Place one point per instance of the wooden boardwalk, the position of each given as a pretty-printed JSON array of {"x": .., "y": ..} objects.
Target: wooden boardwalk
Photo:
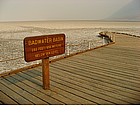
[{"x": 108, "y": 75}]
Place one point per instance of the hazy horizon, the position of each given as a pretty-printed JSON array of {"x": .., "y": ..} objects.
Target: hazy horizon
[{"x": 46, "y": 10}]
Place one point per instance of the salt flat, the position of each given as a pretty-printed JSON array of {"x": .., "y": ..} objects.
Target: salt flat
[{"x": 78, "y": 36}]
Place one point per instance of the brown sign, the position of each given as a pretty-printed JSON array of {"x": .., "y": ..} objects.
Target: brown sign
[{"x": 41, "y": 47}]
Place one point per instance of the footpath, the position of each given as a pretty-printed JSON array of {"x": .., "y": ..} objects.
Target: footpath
[{"x": 107, "y": 75}]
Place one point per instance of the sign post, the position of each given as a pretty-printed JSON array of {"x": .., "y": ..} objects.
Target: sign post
[
  {"x": 43, "y": 47},
  {"x": 45, "y": 73}
]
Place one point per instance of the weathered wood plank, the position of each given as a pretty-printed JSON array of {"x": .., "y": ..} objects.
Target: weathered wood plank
[
  {"x": 111, "y": 95},
  {"x": 57, "y": 89},
  {"x": 98, "y": 70},
  {"x": 88, "y": 94},
  {"x": 54, "y": 84},
  {"x": 51, "y": 92},
  {"x": 101, "y": 92},
  {"x": 106, "y": 71},
  {"x": 4, "y": 99},
  {"x": 104, "y": 78},
  {"x": 100, "y": 82},
  {"x": 121, "y": 64},
  {"x": 107, "y": 64},
  {"x": 23, "y": 92},
  {"x": 82, "y": 90},
  {"x": 13, "y": 95},
  {"x": 113, "y": 67},
  {"x": 121, "y": 51},
  {"x": 36, "y": 89}
]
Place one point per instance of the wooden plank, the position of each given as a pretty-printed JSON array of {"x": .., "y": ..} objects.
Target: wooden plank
[
  {"x": 15, "y": 96},
  {"x": 76, "y": 100},
  {"x": 36, "y": 89},
  {"x": 88, "y": 94},
  {"x": 101, "y": 93},
  {"x": 121, "y": 51},
  {"x": 81, "y": 90},
  {"x": 23, "y": 92},
  {"x": 100, "y": 82},
  {"x": 106, "y": 70},
  {"x": 4, "y": 99},
  {"x": 53, "y": 94},
  {"x": 65, "y": 87},
  {"x": 115, "y": 48},
  {"x": 121, "y": 58},
  {"x": 110, "y": 80},
  {"x": 93, "y": 91},
  {"x": 77, "y": 96},
  {"x": 71, "y": 102},
  {"x": 116, "y": 60},
  {"x": 56, "y": 86},
  {"x": 87, "y": 58},
  {"x": 130, "y": 61},
  {"x": 88, "y": 83},
  {"x": 111, "y": 66}
]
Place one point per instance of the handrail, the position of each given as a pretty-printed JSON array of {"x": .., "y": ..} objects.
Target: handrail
[
  {"x": 87, "y": 45},
  {"x": 67, "y": 46}
]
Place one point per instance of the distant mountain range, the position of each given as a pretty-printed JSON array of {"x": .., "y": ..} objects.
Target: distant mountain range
[{"x": 130, "y": 12}]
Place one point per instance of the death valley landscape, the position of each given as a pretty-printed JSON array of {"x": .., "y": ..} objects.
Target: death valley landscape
[
  {"x": 99, "y": 61},
  {"x": 12, "y": 33}
]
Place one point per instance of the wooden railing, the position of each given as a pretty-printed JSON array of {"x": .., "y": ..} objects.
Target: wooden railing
[{"x": 71, "y": 49}]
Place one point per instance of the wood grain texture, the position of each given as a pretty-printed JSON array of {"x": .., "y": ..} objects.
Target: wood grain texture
[{"x": 107, "y": 75}]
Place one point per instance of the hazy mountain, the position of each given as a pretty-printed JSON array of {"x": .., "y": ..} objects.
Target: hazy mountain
[{"x": 130, "y": 12}]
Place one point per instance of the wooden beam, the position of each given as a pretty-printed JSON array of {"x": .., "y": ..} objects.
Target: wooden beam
[{"x": 45, "y": 73}]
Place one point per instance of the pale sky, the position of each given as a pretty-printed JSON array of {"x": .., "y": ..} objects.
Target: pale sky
[{"x": 28, "y": 10}]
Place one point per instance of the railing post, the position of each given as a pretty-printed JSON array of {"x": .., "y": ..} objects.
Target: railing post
[
  {"x": 68, "y": 49},
  {"x": 114, "y": 37},
  {"x": 103, "y": 40},
  {"x": 89, "y": 45}
]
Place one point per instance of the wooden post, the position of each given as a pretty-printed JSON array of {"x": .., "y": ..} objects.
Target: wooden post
[
  {"x": 89, "y": 45},
  {"x": 45, "y": 73},
  {"x": 68, "y": 50},
  {"x": 114, "y": 37},
  {"x": 103, "y": 40}
]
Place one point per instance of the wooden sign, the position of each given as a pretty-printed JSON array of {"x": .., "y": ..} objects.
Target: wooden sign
[
  {"x": 43, "y": 47},
  {"x": 40, "y": 47}
]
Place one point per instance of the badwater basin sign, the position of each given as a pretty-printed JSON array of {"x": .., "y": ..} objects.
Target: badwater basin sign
[
  {"x": 43, "y": 47},
  {"x": 40, "y": 47}
]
